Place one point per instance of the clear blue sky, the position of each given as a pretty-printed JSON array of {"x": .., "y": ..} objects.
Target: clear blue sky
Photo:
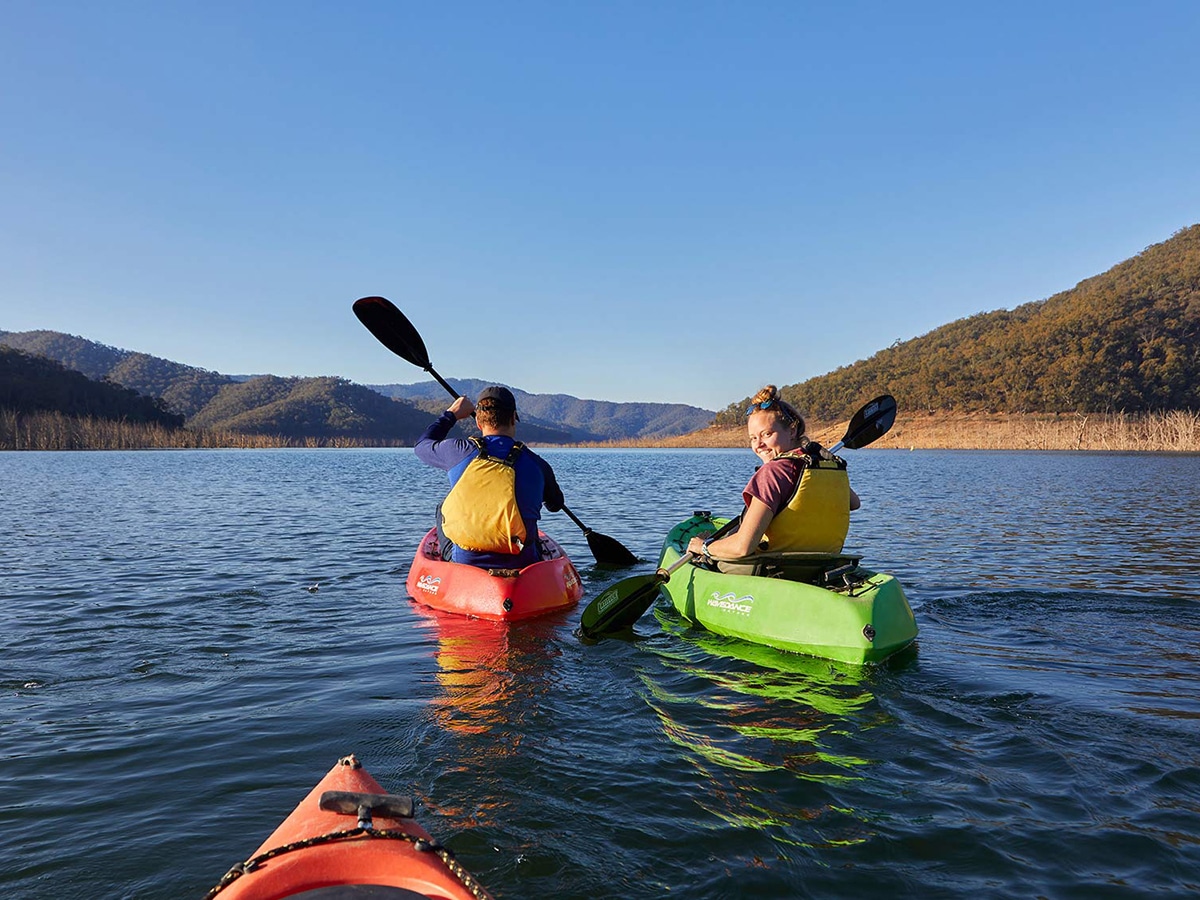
[{"x": 670, "y": 201}]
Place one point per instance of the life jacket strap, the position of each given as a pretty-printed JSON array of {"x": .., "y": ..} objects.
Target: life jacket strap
[{"x": 510, "y": 460}]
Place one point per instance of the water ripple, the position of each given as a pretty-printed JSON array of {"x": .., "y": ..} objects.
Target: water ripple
[{"x": 165, "y": 664}]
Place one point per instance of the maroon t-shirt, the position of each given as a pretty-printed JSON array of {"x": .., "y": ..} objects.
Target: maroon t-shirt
[{"x": 774, "y": 483}]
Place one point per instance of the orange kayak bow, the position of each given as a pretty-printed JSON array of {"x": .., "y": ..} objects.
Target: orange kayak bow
[{"x": 349, "y": 839}]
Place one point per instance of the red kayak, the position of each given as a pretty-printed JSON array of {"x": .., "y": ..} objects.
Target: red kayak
[
  {"x": 504, "y": 595},
  {"x": 348, "y": 839}
]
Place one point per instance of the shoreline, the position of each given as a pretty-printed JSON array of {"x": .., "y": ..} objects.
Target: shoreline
[{"x": 1176, "y": 432}]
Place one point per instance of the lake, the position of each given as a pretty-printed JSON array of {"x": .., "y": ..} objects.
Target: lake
[{"x": 170, "y": 686}]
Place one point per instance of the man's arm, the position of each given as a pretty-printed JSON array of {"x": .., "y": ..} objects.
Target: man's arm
[
  {"x": 433, "y": 449},
  {"x": 552, "y": 495}
]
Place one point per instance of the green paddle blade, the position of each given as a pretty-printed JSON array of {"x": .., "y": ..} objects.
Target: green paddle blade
[
  {"x": 392, "y": 329},
  {"x": 620, "y": 606}
]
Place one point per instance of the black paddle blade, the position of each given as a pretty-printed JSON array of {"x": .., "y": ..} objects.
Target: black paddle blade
[
  {"x": 870, "y": 423},
  {"x": 609, "y": 551},
  {"x": 620, "y": 606},
  {"x": 392, "y": 329}
]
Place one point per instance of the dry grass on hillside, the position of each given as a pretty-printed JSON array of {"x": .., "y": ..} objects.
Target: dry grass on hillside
[{"x": 1169, "y": 431}]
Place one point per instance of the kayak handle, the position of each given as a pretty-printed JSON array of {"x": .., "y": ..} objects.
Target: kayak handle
[{"x": 351, "y": 803}]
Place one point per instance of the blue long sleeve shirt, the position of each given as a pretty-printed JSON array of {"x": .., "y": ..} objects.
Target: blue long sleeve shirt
[{"x": 535, "y": 485}]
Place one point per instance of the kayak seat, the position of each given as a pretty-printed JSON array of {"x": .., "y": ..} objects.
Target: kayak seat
[{"x": 811, "y": 568}]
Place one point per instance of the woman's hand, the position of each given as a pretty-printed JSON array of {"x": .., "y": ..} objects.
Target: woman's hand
[{"x": 696, "y": 545}]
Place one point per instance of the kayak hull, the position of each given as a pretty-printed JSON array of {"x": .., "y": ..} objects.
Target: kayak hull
[
  {"x": 503, "y": 595},
  {"x": 864, "y": 622},
  {"x": 411, "y": 861}
]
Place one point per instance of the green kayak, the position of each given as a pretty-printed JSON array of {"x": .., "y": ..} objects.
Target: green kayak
[{"x": 812, "y": 603}]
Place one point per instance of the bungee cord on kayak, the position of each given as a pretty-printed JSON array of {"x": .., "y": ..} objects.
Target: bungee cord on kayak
[
  {"x": 305, "y": 854},
  {"x": 445, "y": 854}
]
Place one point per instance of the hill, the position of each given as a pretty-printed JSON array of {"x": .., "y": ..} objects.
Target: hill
[
  {"x": 31, "y": 384},
  {"x": 184, "y": 389},
  {"x": 294, "y": 408},
  {"x": 580, "y": 420},
  {"x": 308, "y": 407},
  {"x": 1127, "y": 340},
  {"x": 334, "y": 408}
]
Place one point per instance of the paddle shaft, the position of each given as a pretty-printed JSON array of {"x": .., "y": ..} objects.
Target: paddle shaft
[
  {"x": 574, "y": 518},
  {"x": 665, "y": 574},
  {"x": 440, "y": 380}
]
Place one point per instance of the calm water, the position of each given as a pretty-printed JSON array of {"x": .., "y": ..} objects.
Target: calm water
[{"x": 170, "y": 688}]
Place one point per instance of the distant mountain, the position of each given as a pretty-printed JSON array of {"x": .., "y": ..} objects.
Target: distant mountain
[
  {"x": 31, "y": 384},
  {"x": 582, "y": 420},
  {"x": 1126, "y": 340},
  {"x": 332, "y": 407}
]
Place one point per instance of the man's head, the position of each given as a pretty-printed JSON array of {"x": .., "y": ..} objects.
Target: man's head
[{"x": 496, "y": 408}]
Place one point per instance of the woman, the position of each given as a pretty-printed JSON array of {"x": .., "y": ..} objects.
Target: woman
[{"x": 798, "y": 501}]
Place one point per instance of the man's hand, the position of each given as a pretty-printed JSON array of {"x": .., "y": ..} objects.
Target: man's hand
[{"x": 462, "y": 408}]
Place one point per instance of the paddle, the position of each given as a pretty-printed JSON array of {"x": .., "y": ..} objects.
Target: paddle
[
  {"x": 392, "y": 329},
  {"x": 621, "y": 605}
]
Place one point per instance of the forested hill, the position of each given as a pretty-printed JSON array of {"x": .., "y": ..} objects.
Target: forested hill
[
  {"x": 1127, "y": 340},
  {"x": 583, "y": 420},
  {"x": 31, "y": 384},
  {"x": 184, "y": 389}
]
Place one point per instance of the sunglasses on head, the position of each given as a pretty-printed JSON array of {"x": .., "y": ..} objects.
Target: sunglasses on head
[
  {"x": 766, "y": 404},
  {"x": 775, "y": 403}
]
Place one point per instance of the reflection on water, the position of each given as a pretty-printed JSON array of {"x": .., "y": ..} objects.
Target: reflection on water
[
  {"x": 766, "y": 714},
  {"x": 490, "y": 673}
]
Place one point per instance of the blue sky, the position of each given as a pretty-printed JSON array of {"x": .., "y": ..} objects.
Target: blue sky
[{"x": 669, "y": 201}]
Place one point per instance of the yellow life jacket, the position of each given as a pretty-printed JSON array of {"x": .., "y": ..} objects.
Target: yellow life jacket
[
  {"x": 817, "y": 517},
  {"x": 480, "y": 513}
]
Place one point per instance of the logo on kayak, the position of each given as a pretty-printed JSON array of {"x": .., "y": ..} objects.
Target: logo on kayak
[
  {"x": 570, "y": 577},
  {"x": 428, "y": 584},
  {"x": 732, "y": 602}
]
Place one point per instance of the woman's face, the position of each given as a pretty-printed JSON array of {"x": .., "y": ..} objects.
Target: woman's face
[{"x": 769, "y": 434}]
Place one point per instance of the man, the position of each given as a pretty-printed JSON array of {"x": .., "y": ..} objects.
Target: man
[{"x": 497, "y": 485}]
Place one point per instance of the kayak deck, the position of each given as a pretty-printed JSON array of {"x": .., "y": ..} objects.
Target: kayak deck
[
  {"x": 503, "y": 595},
  {"x": 858, "y": 616},
  {"x": 348, "y": 839}
]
